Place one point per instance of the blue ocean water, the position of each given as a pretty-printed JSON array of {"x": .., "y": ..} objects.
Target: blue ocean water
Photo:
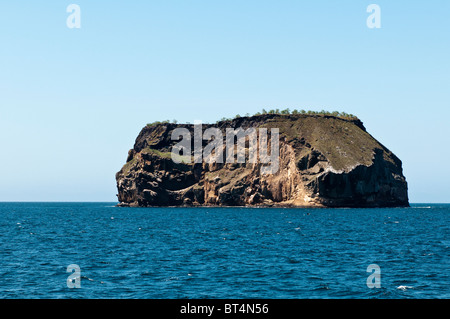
[{"x": 222, "y": 252}]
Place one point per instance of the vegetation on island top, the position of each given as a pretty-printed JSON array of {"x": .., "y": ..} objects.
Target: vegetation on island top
[{"x": 287, "y": 111}]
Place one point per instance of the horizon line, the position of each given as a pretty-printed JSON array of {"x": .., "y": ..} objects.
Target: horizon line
[{"x": 74, "y": 201}]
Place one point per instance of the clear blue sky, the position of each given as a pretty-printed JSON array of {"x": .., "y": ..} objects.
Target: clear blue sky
[{"x": 72, "y": 101}]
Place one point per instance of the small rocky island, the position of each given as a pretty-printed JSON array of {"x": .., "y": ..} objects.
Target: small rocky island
[{"x": 325, "y": 160}]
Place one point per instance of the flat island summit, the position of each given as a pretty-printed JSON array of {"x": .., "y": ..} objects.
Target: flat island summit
[{"x": 324, "y": 160}]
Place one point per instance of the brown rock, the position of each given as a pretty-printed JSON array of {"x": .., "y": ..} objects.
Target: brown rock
[{"x": 324, "y": 161}]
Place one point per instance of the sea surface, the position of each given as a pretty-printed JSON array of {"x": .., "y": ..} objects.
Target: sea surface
[{"x": 236, "y": 253}]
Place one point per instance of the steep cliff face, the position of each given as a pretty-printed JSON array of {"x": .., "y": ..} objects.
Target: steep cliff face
[{"x": 324, "y": 161}]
